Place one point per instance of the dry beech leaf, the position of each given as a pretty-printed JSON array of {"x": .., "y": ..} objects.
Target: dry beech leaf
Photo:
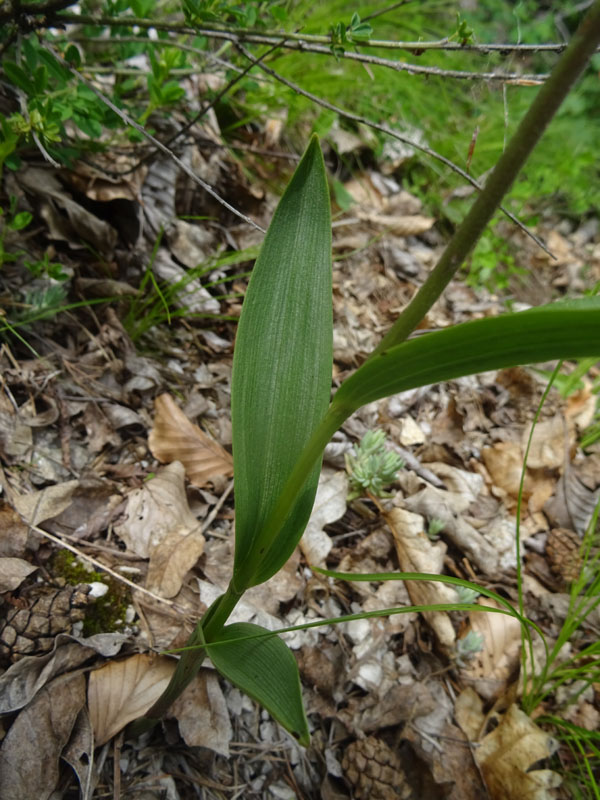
[
  {"x": 506, "y": 755},
  {"x": 175, "y": 438},
  {"x": 172, "y": 558},
  {"x": 46, "y": 504},
  {"x": 417, "y": 553},
  {"x": 23, "y": 680},
  {"x": 13, "y": 572},
  {"x": 155, "y": 509},
  {"x": 330, "y": 505},
  {"x": 122, "y": 691},
  {"x": 30, "y": 752},
  {"x": 202, "y": 716},
  {"x": 550, "y": 443},
  {"x": 492, "y": 667}
]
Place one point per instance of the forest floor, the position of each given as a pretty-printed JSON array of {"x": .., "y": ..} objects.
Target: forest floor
[{"x": 117, "y": 512}]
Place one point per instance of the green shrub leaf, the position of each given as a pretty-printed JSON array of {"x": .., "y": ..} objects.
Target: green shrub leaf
[
  {"x": 282, "y": 365},
  {"x": 565, "y": 329},
  {"x": 266, "y": 670}
]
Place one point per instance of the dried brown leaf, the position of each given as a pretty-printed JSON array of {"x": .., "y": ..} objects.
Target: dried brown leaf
[
  {"x": 417, "y": 553},
  {"x": 155, "y": 509},
  {"x": 175, "y": 438},
  {"x": 507, "y": 754},
  {"x": 30, "y": 752},
  {"x": 172, "y": 558},
  {"x": 201, "y": 712},
  {"x": 13, "y": 532},
  {"x": 122, "y": 691},
  {"x": 46, "y": 504},
  {"x": 493, "y": 666},
  {"x": 13, "y": 572},
  {"x": 330, "y": 505}
]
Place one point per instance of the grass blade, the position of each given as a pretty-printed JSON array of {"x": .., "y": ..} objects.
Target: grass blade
[{"x": 282, "y": 369}]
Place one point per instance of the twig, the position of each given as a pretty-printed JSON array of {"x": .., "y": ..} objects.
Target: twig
[
  {"x": 394, "y": 134},
  {"x": 159, "y": 145},
  {"x": 306, "y": 41},
  {"x": 100, "y": 565}
]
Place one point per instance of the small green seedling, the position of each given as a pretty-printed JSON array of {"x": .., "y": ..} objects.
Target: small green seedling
[
  {"x": 371, "y": 467},
  {"x": 466, "y": 595},
  {"x": 435, "y": 527},
  {"x": 467, "y": 647},
  {"x": 283, "y": 417}
]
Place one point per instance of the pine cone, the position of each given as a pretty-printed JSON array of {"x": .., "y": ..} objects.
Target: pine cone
[
  {"x": 375, "y": 771},
  {"x": 563, "y": 550},
  {"x": 30, "y": 630}
]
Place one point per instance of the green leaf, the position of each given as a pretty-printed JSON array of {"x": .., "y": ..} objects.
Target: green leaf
[
  {"x": 565, "y": 329},
  {"x": 266, "y": 670},
  {"x": 18, "y": 76},
  {"x": 282, "y": 365}
]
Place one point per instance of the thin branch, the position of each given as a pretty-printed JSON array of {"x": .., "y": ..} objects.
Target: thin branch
[
  {"x": 390, "y": 132},
  {"x": 100, "y": 565},
  {"x": 305, "y": 40},
  {"x": 158, "y": 145},
  {"x": 307, "y": 44}
]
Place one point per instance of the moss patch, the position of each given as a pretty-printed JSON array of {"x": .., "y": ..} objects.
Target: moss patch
[{"x": 107, "y": 613}]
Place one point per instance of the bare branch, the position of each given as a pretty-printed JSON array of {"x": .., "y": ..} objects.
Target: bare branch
[{"x": 395, "y": 135}]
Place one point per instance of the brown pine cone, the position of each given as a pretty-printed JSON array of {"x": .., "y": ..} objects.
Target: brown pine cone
[
  {"x": 375, "y": 771},
  {"x": 563, "y": 550},
  {"x": 30, "y": 630}
]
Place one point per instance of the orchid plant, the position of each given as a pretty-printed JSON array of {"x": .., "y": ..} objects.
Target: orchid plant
[{"x": 282, "y": 414}]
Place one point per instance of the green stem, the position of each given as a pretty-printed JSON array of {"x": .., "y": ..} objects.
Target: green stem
[{"x": 569, "y": 67}]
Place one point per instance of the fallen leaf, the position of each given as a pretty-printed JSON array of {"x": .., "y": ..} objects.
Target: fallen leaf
[
  {"x": 23, "y": 680},
  {"x": 13, "y": 532},
  {"x": 175, "y": 438},
  {"x": 330, "y": 505},
  {"x": 173, "y": 558},
  {"x": 506, "y": 757},
  {"x": 46, "y": 504},
  {"x": 417, "y": 553},
  {"x": 13, "y": 572},
  {"x": 493, "y": 666},
  {"x": 122, "y": 691},
  {"x": 155, "y": 509},
  {"x": 202, "y": 716},
  {"x": 550, "y": 443},
  {"x": 79, "y": 753},
  {"x": 30, "y": 752}
]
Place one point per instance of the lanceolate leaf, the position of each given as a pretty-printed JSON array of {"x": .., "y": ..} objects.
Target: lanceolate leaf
[
  {"x": 266, "y": 670},
  {"x": 565, "y": 329},
  {"x": 282, "y": 369}
]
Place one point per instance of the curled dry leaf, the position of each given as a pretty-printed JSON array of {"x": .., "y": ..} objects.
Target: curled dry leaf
[
  {"x": 172, "y": 558},
  {"x": 416, "y": 553},
  {"x": 155, "y": 509},
  {"x": 30, "y": 752},
  {"x": 507, "y": 754},
  {"x": 491, "y": 669},
  {"x": 201, "y": 712},
  {"x": 48, "y": 503},
  {"x": 175, "y": 438},
  {"x": 122, "y": 691},
  {"x": 330, "y": 505},
  {"x": 13, "y": 572}
]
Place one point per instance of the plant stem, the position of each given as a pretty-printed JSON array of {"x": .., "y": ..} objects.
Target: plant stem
[{"x": 550, "y": 96}]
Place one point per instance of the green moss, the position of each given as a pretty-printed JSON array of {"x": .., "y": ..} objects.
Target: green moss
[{"x": 107, "y": 613}]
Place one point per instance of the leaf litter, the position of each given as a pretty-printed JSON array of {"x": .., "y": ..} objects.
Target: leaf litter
[{"x": 95, "y": 450}]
